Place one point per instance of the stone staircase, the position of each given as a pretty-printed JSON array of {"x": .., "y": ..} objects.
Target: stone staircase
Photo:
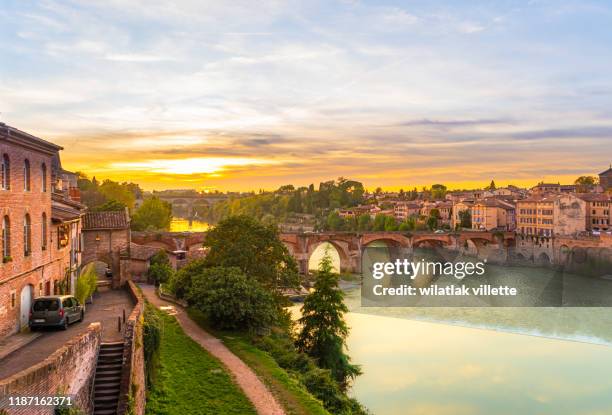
[{"x": 108, "y": 378}]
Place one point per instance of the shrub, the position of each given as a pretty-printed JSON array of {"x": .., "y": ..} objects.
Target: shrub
[
  {"x": 152, "y": 330},
  {"x": 180, "y": 281},
  {"x": 230, "y": 300},
  {"x": 86, "y": 283},
  {"x": 160, "y": 270}
]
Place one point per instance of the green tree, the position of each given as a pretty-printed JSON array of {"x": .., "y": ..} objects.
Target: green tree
[
  {"x": 230, "y": 300},
  {"x": 335, "y": 222},
  {"x": 110, "y": 206},
  {"x": 180, "y": 281},
  {"x": 154, "y": 214},
  {"x": 584, "y": 184},
  {"x": 160, "y": 271},
  {"x": 433, "y": 219},
  {"x": 379, "y": 222},
  {"x": 323, "y": 329},
  {"x": 115, "y": 191},
  {"x": 465, "y": 219},
  {"x": 438, "y": 191},
  {"x": 390, "y": 224},
  {"x": 86, "y": 283},
  {"x": 364, "y": 222},
  {"x": 243, "y": 242}
]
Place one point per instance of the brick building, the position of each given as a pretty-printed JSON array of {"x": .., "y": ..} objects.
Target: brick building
[
  {"x": 605, "y": 179},
  {"x": 598, "y": 211},
  {"x": 40, "y": 226},
  {"x": 106, "y": 234},
  {"x": 549, "y": 215},
  {"x": 493, "y": 214}
]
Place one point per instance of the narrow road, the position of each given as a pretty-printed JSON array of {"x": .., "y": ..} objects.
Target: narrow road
[
  {"x": 107, "y": 307},
  {"x": 265, "y": 403}
]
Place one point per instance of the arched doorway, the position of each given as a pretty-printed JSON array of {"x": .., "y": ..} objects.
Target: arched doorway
[
  {"x": 27, "y": 293},
  {"x": 543, "y": 259},
  {"x": 319, "y": 252}
]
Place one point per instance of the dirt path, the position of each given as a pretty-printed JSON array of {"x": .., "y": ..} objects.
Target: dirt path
[{"x": 253, "y": 388}]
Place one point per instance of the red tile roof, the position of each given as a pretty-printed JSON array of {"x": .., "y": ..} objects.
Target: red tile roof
[{"x": 106, "y": 220}]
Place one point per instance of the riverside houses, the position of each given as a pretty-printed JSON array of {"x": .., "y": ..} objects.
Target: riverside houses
[{"x": 41, "y": 226}]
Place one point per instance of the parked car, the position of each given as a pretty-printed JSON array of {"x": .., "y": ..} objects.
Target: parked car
[{"x": 55, "y": 311}]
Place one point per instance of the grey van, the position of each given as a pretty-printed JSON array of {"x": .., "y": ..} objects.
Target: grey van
[{"x": 55, "y": 311}]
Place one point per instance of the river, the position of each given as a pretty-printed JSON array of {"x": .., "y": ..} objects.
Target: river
[
  {"x": 183, "y": 225},
  {"x": 456, "y": 361}
]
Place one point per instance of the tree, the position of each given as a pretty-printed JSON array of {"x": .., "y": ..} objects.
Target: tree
[
  {"x": 243, "y": 242},
  {"x": 585, "y": 183},
  {"x": 438, "y": 191},
  {"x": 434, "y": 217},
  {"x": 180, "y": 282},
  {"x": 390, "y": 224},
  {"x": 154, "y": 214},
  {"x": 323, "y": 329},
  {"x": 230, "y": 300},
  {"x": 491, "y": 186},
  {"x": 110, "y": 206},
  {"x": 379, "y": 222},
  {"x": 465, "y": 219},
  {"x": 114, "y": 191},
  {"x": 335, "y": 222},
  {"x": 364, "y": 222},
  {"x": 86, "y": 283},
  {"x": 160, "y": 271}
]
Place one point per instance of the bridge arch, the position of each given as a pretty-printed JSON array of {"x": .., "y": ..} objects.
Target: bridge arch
[
  {"x": 340, "y": 255},
  {"x": 543, "y": 259}
]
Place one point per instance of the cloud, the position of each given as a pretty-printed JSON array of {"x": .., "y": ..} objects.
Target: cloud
[{"x": 457, "y": 123}]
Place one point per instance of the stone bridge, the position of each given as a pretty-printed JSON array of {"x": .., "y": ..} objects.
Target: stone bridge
[
  {"x": 349, "y": 244},
  {"x": 185, "y": 204}
]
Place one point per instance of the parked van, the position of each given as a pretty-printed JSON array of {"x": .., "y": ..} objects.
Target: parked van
[{"x": 55, "y": 311}]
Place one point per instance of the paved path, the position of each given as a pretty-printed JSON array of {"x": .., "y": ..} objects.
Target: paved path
[
  {"x": 251, "y": 385},
  {"x": 106, "y": 308}
]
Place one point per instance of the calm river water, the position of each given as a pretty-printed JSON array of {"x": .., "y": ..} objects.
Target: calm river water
[
  {"x": 456, "y": 361},
  {"x": 183, "y": 225}
]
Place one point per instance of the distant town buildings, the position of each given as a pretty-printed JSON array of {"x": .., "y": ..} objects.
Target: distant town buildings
[
  {"x": 493, "y": 214},
  {"x": 550, "y": 215}
]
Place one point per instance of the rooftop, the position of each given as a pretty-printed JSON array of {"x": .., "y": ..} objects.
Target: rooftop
[{"x": 106, "y": 220}]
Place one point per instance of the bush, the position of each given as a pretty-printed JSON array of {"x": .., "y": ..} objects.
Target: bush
[
  {"x": 180, "y": 281},
  {"x": 86, "y": 283},
  {"x": 230, "y": 300},
  {"x": 160, "y": 270},
  {"x": 152, "y": 330}
]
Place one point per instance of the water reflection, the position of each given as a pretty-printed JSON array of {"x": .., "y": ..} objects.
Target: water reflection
[
  {"x": 475, "y": 361},
  {"x": 416, "y": 367},
  {"x": 184, "y": 225}
]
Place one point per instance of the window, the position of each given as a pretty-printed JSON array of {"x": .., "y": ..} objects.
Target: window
[
  {"x": 44, "y": 231},
  {"x": 27, "y": 235},
  {"x": 44, "y": 177},
  {"x": 13, "y": 299},
  {"x": 26, "y": 175},
  {"x": 6, "y": 238},
  {"x": 6, "y": 172}
]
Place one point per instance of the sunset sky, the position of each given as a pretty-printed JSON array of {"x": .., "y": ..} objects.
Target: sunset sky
[{"x": 243, "y": 95}]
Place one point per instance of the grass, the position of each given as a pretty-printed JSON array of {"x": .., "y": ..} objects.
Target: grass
[
  {"x": 291, "y": 394},
  {"x": 190, "y": 380}
]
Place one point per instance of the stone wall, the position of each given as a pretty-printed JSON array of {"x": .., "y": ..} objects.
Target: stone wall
[
  {"x": 132, "y": 391},
  {"x": 68, "y": 371}
]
